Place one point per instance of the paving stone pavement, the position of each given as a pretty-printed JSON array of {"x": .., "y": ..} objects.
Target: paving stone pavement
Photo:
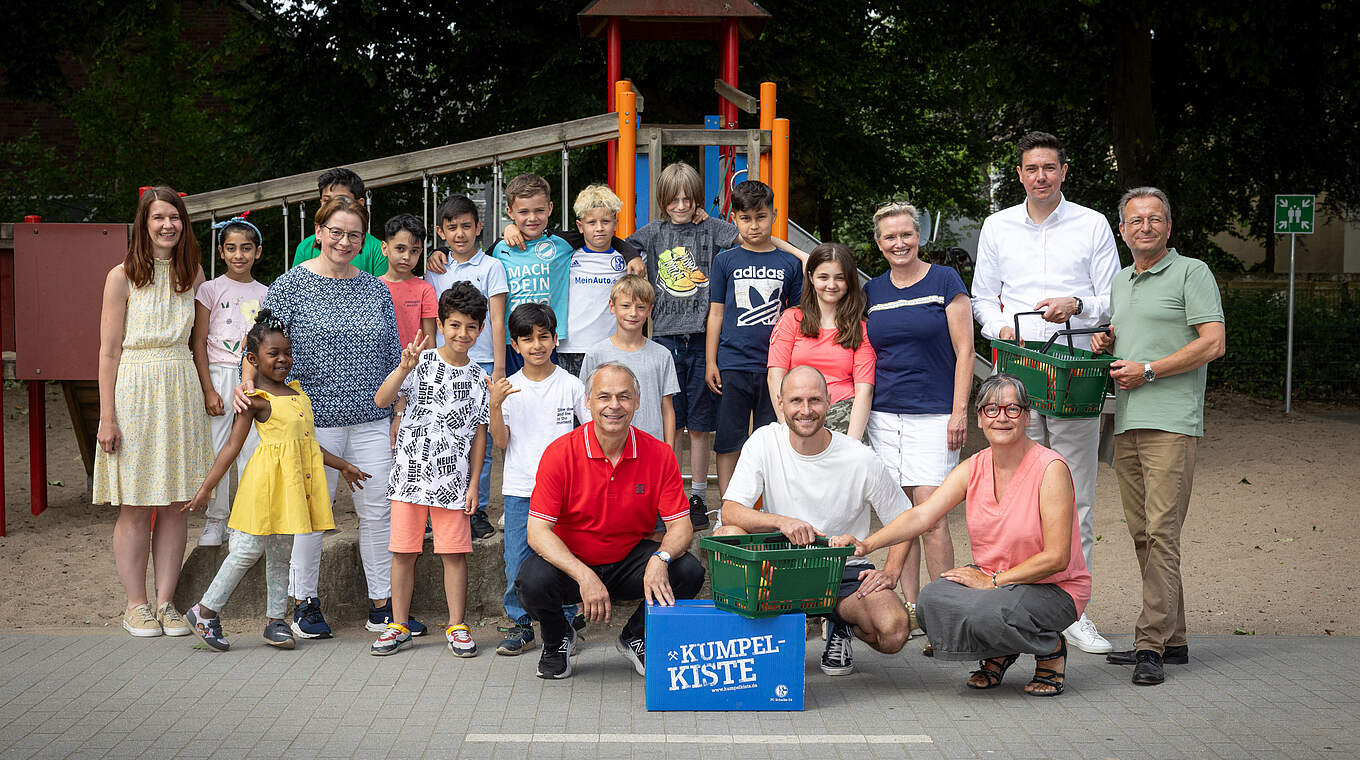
[{"x": 88, "y": 695}]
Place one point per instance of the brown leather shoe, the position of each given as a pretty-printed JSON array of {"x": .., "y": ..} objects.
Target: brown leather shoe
[{"x": 1171, "y": 655}]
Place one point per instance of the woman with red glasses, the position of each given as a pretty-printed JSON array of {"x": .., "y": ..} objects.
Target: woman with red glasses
[{"x": 1028, "y": 580}]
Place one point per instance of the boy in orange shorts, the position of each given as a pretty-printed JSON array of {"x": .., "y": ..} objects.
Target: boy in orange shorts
[{"x": 443, "y": 431}]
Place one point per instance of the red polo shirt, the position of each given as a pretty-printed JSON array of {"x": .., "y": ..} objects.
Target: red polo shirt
[{"x": 600, "y": 510}]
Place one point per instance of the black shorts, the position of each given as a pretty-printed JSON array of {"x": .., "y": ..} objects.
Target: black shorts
[{"x": 850, "y": 579}]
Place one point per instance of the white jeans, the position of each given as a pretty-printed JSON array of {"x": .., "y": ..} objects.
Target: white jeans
[
  {"x": 1078, "y": 442},
  {"x": 367, "y": 447},
  {"x": 225, "y": 378}
]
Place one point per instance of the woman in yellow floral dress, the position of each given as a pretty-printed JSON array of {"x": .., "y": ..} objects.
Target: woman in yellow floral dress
[{"x": 153, "y": 430}]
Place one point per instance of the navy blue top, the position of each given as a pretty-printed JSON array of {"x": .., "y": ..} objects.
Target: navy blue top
[
  {"x": 754, "y": 289},
  {"x": 345, "y": 341},
  {"x": 910, "y": 335}
]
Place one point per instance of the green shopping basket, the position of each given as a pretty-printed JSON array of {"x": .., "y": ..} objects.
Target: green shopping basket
[
  {"x": 1061, "y": 381},
  {"x": 764, "y": 574}
]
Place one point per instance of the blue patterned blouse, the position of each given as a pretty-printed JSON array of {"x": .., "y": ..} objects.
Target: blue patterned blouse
[{"x": 344, "y": 341}]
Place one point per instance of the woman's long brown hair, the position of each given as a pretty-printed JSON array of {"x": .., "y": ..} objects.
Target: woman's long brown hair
[
  {"x": 184, "y": 262},
  {"x": 849, "y": 311}
]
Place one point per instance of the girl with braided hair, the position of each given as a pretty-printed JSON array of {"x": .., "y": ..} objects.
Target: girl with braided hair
[{"x": 282, "y": 492}]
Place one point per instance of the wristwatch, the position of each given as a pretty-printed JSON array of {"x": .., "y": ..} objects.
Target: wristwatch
[
  {"x": 1079, "y": 306},
  {"x": 665, "y": 556},
  {"x": 1148, "y": 374}
]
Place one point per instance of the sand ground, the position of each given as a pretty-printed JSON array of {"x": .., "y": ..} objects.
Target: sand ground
[{"x": 1269, "y": 547}]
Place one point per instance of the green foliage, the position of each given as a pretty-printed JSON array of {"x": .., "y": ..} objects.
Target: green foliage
[{"x": 1326, "y": 344}]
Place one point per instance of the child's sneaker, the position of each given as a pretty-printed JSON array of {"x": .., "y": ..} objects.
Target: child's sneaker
[
  {"x": 308, "y": 623},
  {"x": 518, "y": 640},
  {"x": 481, "y": 527},
  {"x": 172, "y": 623},
  {"x": 460, "y": 641},
  {"x": 379, "y": 617},
  {"x": 278, "y": 634},
  {"x": 141, "y": 622},
  {"x": 394, "y": 638},
  {"x": 213, "y": 532},
  {"x": 208, "y": 629}
]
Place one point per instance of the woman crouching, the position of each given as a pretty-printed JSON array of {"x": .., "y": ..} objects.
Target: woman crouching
[{"x": 1028, "y": 580}]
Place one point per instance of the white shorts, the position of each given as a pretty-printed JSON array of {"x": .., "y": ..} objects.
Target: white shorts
[{"x": 914, "y": 447}]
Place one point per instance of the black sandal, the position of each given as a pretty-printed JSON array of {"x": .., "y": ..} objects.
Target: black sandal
[
  {"x": 993, "y": 676},
  {"x": 1048, "y": 676}
]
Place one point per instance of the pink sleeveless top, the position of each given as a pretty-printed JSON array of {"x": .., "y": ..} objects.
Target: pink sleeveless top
[{"x": 1007, "y": 533}]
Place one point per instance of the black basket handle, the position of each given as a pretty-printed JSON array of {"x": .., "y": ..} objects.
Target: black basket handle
[{"x": 1067, "y": 332}]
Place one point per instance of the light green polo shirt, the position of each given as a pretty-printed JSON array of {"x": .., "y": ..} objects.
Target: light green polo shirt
[
  {"x": 1154, "y": 315},
  {"x": 370, "y": 259}
]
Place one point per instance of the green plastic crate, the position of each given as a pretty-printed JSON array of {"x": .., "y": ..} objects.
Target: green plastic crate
[
  {"x": 1065, "y": 382},
  {"x": 764, "y": 575}
]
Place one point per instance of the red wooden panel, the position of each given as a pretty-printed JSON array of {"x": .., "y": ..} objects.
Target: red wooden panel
[
  {"x": 6, "y": 299},
  {"x": 59, "y": 272}
]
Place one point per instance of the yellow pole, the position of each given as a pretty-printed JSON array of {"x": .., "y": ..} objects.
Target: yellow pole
[
  {"x": 626, "y": 165},
  {"x": 767, "y": 114},
  {"x": 779, "y": 176}
]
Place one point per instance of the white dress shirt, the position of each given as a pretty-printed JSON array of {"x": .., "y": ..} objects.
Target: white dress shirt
[{"x": 1019, "y": 263}]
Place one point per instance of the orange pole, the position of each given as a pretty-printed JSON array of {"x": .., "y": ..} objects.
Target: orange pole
[
  {"x": 626, "y": 165},
  {"x": 767, "y": 114},
  {"x": 779, "y": 176}
]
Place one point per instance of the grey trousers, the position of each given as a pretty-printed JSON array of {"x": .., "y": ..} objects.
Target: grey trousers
[{"x": 972, "y": 624}]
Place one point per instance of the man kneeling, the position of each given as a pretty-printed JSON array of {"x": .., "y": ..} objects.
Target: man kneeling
[
  {"x": 599, "y": 491},
  {"x": 818, "y": 482}
]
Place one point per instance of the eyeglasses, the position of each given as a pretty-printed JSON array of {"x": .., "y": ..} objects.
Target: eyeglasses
[
  {"x": 338, "y": 233},
  {"x": 1012, "y": 411},
  {"x": 1151, "y": 221}
]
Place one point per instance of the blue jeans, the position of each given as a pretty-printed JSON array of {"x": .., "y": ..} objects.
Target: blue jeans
[
  {"x": 484, "y": 483},
  {"x": 516, "y": 551}
]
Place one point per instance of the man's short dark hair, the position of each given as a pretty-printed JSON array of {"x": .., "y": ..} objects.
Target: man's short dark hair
[
  {"x": 455, "y": 206},
  {"x": 752, "y": 196},
  {"x": 464, "y": 298},
  {"x": 344, "y": 178},
  {"x": 527, "y": 316},
  {"x": 408, "y": 222},
  {"x": 1039, "y": 140}
]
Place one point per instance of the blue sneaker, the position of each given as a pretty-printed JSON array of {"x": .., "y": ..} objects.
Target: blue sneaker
[
  {"x": 519, "y": 638},
  {"x": 308, "y": 622},
  {"x": 207, "y": 629},
  {"x": 379, "y": 617}
]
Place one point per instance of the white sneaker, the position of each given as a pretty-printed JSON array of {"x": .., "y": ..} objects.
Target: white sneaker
[
  {"x": 1084, "y": 636},
  {"x": 213, "y": 532},
  {"x": 501, "y": 522}
]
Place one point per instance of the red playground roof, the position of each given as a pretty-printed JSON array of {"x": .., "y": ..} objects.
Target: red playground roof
[{"x": 672, "y": 19}]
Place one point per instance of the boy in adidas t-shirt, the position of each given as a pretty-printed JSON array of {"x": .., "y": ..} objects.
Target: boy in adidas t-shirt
[
  {"x": 529, "y": 410},
  {"x": 751, "y": 285}
]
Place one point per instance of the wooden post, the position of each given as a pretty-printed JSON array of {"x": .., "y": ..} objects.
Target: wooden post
[
  {"x": 779, "y": 176},
  {"x": 37, "y": 445},
  {"x": 768, "y": 92},
  {"x": 626, "y": 166},
  {"x": 613, "y": 73}
]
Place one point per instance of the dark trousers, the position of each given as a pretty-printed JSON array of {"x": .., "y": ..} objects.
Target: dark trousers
[{"x": 543, "y": 588}]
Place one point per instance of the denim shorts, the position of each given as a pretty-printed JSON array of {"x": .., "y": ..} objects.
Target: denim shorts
[{"x": 695, "y": 405}]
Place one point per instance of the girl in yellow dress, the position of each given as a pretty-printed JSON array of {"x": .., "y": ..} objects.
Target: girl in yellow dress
[{"x": 282, "y": 491}]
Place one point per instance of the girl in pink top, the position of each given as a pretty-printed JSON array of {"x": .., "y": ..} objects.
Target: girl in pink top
[
  {"x": 826, "y": 331},
  {"x": 1028, "y": 580}
]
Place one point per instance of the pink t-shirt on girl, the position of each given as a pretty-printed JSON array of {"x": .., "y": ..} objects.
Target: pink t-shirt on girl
[
  {"x": 1004, "y": 534},
  {"x": 842, "y": 367},
  {"x": 414, "y": 300},
  {"x": 232, "y": 307}
]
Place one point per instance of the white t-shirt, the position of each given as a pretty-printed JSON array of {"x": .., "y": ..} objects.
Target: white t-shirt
[
  {"x": 588, "y": 318},
  {"x": 832, "y": 490},
  {"x": 539, "y": 414},
  {"x": 444, "y": 406}
]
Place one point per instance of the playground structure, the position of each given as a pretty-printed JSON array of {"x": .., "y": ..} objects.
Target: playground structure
[{"x": 51, "y": 275}]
